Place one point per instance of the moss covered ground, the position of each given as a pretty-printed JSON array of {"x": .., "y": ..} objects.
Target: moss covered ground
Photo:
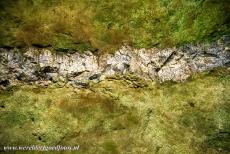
[
  {"x": 104, "y": 25},
  {"x": 114, "y": 116}
]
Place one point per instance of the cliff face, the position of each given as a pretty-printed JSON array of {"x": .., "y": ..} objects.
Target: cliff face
[{"x": 176, "y": 64}]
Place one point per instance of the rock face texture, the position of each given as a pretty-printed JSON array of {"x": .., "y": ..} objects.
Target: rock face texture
[{"x": 44, "y": 67}]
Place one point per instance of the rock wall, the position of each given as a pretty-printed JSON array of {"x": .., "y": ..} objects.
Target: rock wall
[{"x": 43, "y": 67}]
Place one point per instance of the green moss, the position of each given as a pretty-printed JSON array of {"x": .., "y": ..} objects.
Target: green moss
[
  {"x": 106, "y": 25},
  {"x": 110, "y": 147},
  {"x": 66, "y": 43},
  {"x": 14, "y": 118},
  {"x": 219, "y": 141},
  {"x": 219, "y": 137},
  {"x": 115, "y": 117}
]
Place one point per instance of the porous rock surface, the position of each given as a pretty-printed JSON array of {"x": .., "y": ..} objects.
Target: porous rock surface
[{"x": 41, "y": 66}]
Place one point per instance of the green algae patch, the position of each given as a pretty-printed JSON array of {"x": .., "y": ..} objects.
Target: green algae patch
[{"x": 115, "y": 116}]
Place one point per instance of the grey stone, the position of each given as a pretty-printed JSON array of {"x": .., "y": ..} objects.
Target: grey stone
[{"x": 175, "y": 64}]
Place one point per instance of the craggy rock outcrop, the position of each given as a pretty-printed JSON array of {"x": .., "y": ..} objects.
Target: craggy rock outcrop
[{"x": 44, "y": 67}]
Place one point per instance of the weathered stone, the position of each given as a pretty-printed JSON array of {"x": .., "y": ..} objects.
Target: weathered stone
[
  {"x": 4, "y": 82},
  {"x": 175, "y": 64},
  {"x": 95, "y": 76},
  {"x": 80, "y": 84}
]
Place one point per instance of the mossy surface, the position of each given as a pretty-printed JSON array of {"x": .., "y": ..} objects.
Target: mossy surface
[
  {"x": 114, "y": 116},
  {"x": 106, "y": 25}
]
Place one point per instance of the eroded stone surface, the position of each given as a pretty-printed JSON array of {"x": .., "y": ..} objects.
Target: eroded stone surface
[{"x": 175, "y": 64}]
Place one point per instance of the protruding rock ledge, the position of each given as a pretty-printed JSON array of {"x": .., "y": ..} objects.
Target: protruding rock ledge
[{"x": 175, "y": 64}]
